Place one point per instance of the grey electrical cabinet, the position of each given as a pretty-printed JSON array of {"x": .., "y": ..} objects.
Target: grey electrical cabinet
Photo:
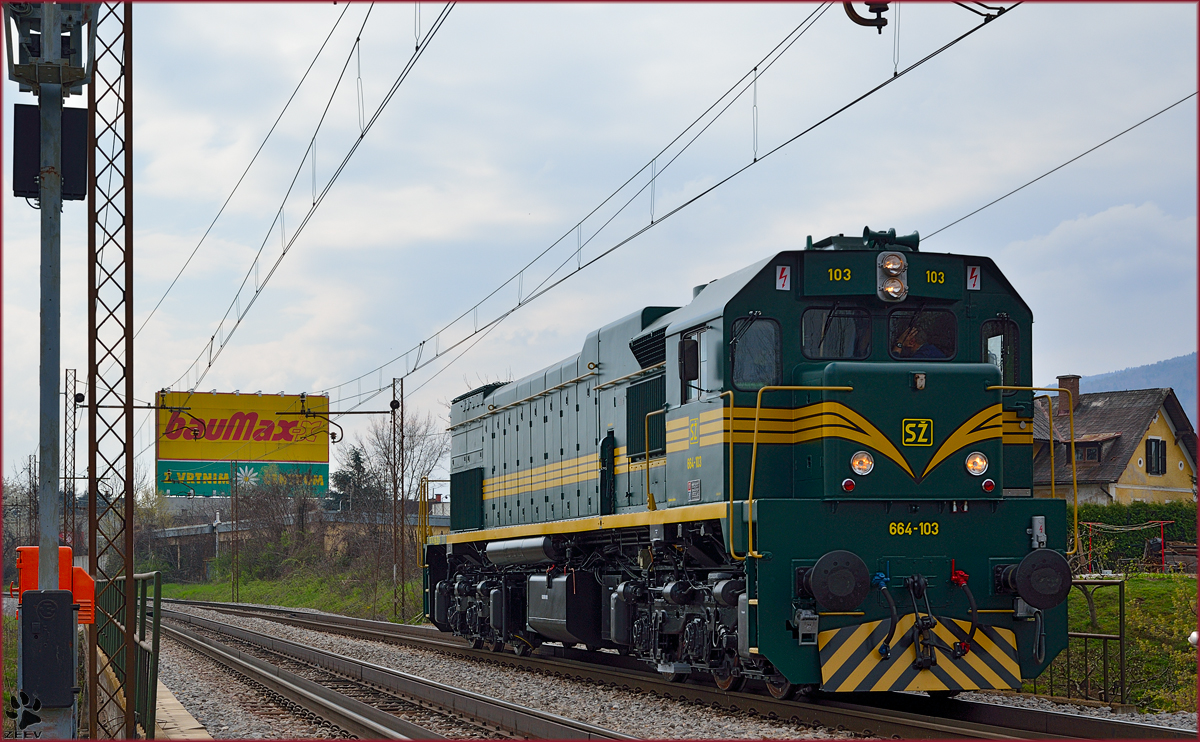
[{"x": 47, "y": 628}]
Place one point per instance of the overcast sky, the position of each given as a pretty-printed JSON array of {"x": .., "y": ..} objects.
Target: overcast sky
[{"x": 519, "y": 120}]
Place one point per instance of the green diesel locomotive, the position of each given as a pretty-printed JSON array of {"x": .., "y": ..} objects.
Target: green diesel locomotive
[{"x": 817, "y": 475}]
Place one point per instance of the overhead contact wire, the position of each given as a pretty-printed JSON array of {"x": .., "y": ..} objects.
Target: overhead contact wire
[
  {"x": 246, "y": 171},
  {"x": 543, "y": 289},
  {"x": 784, "y": 44},
  {"x": 1060, "y": 167}
]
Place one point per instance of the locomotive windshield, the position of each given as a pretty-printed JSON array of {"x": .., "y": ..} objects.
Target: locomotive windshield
[
  {"x": 922, "y": 333},
  {"x": 837, "y": 333},
  {"x": 755, "y": 353}
]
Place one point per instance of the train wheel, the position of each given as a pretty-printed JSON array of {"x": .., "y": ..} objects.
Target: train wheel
[
  {"x": 675, "y": 677},
  {"x": 522, "y": 648},
  {"x": 497, "y": 646},
  {"x": 727, "y": 678},
  {"x": 476, "y": 643},
  {"x": 780, "y": 687}
]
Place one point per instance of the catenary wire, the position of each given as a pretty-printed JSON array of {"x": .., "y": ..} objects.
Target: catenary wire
[
  {"x": 387, "y": 98},
  {"x": 764, "y": 63},
  {"x": 543, "y": 289},
  {"x": 1060, "y": 167},
  {"x": 437, "y": 24},
  {"x": 244, "y": 172},
  {"x": 277, "y": 219},
  {"x": 234, "y": 305}
]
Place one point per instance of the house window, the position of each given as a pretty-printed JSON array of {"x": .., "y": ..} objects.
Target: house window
[
  {"x": 1087, "y": 452},
  {"x": 1156, "y": 456},
  {"x": 755, "y": 354}
]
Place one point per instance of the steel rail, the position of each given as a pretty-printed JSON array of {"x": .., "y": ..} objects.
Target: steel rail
[
  {"x": 355, "y": 717},
  {"x": 878, "y": 714},
  {"x": 492, "y": 712}
]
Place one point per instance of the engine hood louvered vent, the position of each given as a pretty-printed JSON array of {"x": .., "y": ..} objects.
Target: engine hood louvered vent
[{"x": 650, "y": 349}]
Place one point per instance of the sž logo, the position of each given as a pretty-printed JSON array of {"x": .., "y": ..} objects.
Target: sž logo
[{"x": 241, "y": 426}]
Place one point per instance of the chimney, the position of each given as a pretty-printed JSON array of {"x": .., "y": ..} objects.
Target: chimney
[{"x": 1069, "y": 382}]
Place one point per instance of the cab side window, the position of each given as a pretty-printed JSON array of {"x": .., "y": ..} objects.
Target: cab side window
[
  {"x": 755, "y": 353},
  {"x": 693, "y": 365},
  {"x": 1000, "y": 346}
]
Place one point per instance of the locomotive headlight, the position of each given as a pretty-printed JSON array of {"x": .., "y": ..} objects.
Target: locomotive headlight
[
  {"x": 893, "y": 288},
  {"x": 892, "y": 264},
  {"x": 977, "y": 463},
  {"x": 862, "y": 463}
]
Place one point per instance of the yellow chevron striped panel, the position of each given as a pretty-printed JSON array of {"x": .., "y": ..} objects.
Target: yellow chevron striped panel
[
  {"x": 982, "y": 426},
  {"x": 850, "y": 660},
  {"x": 1014, "y": 434}
]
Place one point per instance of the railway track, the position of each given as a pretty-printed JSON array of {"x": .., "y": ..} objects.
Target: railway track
[
  {"x": 879, "y": 715},
  {"x": 364, "y": 698}
]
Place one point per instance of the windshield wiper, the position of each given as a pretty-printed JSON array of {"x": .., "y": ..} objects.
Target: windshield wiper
[{"x": 825, "y": 329}]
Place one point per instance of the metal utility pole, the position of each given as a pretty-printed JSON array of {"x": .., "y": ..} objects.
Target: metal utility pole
[
  {"x": 50, "y": 100},
  {"x": 69, "y": 459},
  {"x": 50, "y": 70},
  {"x": 403, "y": 514},
  {"x": 110, "y": 370},
  {"x": 234, "y": 567},
  {"x": 31, "y": 516},
  {"x": 395, "y": 495}
]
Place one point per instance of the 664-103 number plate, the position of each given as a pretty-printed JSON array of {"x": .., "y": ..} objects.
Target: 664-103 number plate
[{"x": 925, "y": 528}]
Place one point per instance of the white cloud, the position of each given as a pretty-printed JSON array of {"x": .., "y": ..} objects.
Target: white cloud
[{"x": 1108, "y": 290}]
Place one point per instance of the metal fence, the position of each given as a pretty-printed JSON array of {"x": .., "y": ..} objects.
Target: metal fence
[
  {"x": 142, "y": 686},
  {"x": 1085, "y": 669}
]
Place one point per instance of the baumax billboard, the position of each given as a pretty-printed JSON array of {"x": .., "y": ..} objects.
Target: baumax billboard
[{"x": 202, "y": 438}]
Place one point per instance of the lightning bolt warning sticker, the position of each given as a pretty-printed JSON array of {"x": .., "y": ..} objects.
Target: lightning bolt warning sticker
[{"x": 972, "y": 278}]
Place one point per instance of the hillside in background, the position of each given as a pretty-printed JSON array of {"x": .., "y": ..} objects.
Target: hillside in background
[{"x": 1177, "y": 373}]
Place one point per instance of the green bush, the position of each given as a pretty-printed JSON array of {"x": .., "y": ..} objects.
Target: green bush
[{"x": 1130, "y": 545}]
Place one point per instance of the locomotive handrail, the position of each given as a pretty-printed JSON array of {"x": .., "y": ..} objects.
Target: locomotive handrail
[
  {"x": 492, "y": 409},
  {"x": 650, "y": 504},
  {"x": 423, "y": 516},
  {"x": 750, "y": 552},
  {"x": 727, "y": 427},
  {"x": 1071, "y": 420},
  {"x": 640, "y": 372}
]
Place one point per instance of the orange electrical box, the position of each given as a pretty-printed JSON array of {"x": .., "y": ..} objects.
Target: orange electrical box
[{"x": 79, "y": 582}]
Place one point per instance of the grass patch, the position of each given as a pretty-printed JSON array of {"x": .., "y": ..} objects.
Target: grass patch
[
  {"x": 339, "y": 593},
  {"x": 1160, "y": 613},
  {"x": 10, "y": 656}
]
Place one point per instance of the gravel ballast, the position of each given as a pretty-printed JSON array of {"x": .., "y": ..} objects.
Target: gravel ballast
[
  {"x": 228, "y": 707},
  {"x": 637, "y": 714},
  {"x": 1178, "y": 720}
]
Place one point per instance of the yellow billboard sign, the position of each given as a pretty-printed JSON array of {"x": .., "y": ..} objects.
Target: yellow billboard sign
[{"x": 241, "y": 427}]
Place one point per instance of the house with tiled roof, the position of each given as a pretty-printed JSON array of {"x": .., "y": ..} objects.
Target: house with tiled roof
[{"x": 1130, "y": 446}]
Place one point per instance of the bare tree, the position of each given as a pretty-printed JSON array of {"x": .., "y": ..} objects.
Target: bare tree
[{"x": 425, "y": 444}]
